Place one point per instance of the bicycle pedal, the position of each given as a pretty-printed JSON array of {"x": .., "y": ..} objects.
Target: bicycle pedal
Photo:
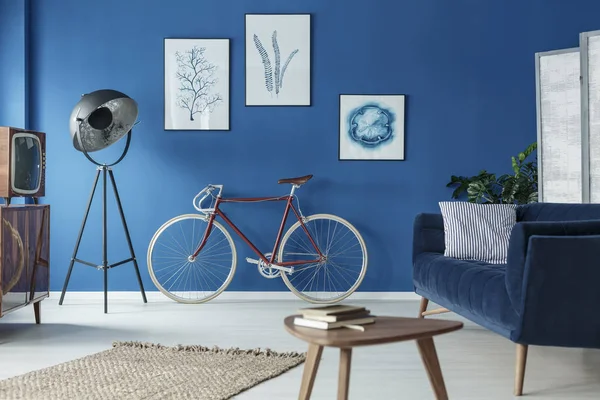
[
  {"x": 252, "y": 261},
  {"x": 288, "y": 270}
]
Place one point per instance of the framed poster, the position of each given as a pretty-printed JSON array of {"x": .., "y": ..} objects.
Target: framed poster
[
  {"x": 196, "y": 81},
  {"x": 371, "y": 127},
  {"x": 278, "y": 60}
]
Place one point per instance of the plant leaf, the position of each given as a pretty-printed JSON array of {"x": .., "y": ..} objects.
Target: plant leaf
[
  {"x": 530, "y": 149},
  {"x": 515, "y": 165},
  {"x": 277, "y": 62},
  {"x": 266, "y": 63},
  {"x": 533, "y": 197},
  {"x": 481, "y": 191},
  {"x": 458, "y": 191},
  {"x": 285, "y": 65}
]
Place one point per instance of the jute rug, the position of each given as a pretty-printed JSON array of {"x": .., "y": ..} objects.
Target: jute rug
[{"x": 134, "y": 370}]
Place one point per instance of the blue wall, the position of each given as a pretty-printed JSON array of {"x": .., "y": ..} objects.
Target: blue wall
[
  {"x": 13, "y": 57},
  {"x": 466, "y": 66}
]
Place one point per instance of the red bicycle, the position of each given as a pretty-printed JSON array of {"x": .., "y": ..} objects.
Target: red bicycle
[{"x": 321, "y": 258}]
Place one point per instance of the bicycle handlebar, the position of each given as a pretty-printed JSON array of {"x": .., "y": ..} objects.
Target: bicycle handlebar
[{"x": 205, "y": 193}]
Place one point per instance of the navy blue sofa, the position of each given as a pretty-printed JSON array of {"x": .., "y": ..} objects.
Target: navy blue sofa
[{"x": 548, "y": 292}]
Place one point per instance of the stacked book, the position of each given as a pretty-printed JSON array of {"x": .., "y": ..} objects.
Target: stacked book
[{"x": 332, "y": 317}]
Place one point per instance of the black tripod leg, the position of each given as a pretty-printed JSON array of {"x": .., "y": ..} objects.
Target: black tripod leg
[
  {"x": 104, "y": 239},
  {"x": 87, "y": 212},
  {"x": 105, "y": 290},
  {"x": 135, "y": 264}
]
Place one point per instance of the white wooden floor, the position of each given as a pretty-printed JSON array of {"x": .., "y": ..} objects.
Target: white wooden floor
[{"x": 476, "y": 363}]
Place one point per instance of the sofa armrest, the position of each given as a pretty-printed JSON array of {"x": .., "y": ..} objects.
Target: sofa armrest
[
  {"x": 560, "y": 296},
  {"x": 519, "y": 246},
  {"x": 428, "y": 234}
]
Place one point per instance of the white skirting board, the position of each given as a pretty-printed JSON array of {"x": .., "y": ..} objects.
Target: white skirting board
[{"x": 229, "y": 296}]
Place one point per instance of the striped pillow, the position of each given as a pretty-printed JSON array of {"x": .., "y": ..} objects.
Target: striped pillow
[{"x": 478, "y": 231}]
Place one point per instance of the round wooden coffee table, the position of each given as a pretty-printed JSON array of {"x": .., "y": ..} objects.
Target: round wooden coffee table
[{"x": 384, "y": 330}]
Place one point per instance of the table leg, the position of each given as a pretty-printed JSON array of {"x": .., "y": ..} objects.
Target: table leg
[
  {"x": 432, "y": 365},
  {"x": 310, "y": 370},
  {"x": 344, "y": 376}
]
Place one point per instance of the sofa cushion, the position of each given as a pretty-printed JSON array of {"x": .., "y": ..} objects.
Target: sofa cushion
[
  {"x": 558, "y": 212},
  {"x": 428, "y": 234},
  {"x": 473, "y": 286},
  {"x": 477, "y": 231}
]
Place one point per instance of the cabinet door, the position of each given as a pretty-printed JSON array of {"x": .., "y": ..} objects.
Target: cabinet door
[
  {"x": 38, "y": 250},
  {"x": 15, "y": 288},
  {"x": 24, "y": 254}
]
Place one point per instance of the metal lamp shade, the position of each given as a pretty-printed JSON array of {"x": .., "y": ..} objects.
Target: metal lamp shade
[{"x": 102, "y": 118}]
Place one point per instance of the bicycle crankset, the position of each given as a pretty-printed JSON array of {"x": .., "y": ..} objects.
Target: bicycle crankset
[{"x": 266, "y": 271}]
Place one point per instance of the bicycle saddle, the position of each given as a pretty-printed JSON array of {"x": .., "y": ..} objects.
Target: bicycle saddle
[{"x": 301, "y": 180}]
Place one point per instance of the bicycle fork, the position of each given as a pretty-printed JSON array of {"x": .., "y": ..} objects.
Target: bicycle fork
[{"x": 207, "y": 233}]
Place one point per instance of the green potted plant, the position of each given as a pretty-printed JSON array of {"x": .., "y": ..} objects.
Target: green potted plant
[{"x": 517, "y": 188}]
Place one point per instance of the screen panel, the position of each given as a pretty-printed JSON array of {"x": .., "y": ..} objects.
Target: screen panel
[
  {"x": 559, "y": 126},
  {"x": 590, "y": 99},
  {"x": 26, "y": 165}
]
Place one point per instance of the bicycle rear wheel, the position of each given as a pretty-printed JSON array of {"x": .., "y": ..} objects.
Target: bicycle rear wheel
[
  {"x": 344, "y": 264},
  {"x": 177, "y": 274}
]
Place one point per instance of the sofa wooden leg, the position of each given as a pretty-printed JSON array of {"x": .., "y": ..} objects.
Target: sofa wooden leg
[
  {"x": 436, "y": 311},
  {"x": 520, "y": 368},
  {"x": 423, "y": 306}
]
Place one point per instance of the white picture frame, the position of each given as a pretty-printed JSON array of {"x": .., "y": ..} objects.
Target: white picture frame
[
  {"x": 196, "y": 84},
  {"x": 371, "y": 127},
  {"x": 278, "y": 59}
]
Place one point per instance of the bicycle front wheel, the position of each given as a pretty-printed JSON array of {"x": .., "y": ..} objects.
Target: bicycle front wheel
[
  {"x": 342, "y": 268},
  {"x": 180, "y": 276}
]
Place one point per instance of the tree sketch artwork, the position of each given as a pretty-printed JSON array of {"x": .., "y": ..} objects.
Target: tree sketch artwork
[
  {"x": 273, "y": 74},
  {"x": 371, "y": 125},
  {"x": 196, "y": 76}
]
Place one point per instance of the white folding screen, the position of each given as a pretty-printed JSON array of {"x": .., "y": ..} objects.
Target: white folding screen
[
  {"x": 590, "y": 105},
  {"x": 559, "y": 126}
]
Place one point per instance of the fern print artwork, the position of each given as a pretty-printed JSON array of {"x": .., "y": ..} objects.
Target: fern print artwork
[
  {"x": 278, "y": 59},
  {"x": 273, "y": 77},
  {"x": 196, "y": 84}
]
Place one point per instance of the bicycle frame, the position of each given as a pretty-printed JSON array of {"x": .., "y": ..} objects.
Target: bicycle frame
[{"x": 216, "y": 211}]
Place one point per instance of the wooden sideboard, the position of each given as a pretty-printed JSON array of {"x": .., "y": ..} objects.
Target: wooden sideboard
[{"x": 24, "y": 256}]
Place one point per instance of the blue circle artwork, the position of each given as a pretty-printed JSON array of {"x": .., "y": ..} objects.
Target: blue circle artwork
[{"x": 371, "y": 125}]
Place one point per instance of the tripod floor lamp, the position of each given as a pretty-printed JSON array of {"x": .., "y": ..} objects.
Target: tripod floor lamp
[{"x": 99, "y": 120}]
